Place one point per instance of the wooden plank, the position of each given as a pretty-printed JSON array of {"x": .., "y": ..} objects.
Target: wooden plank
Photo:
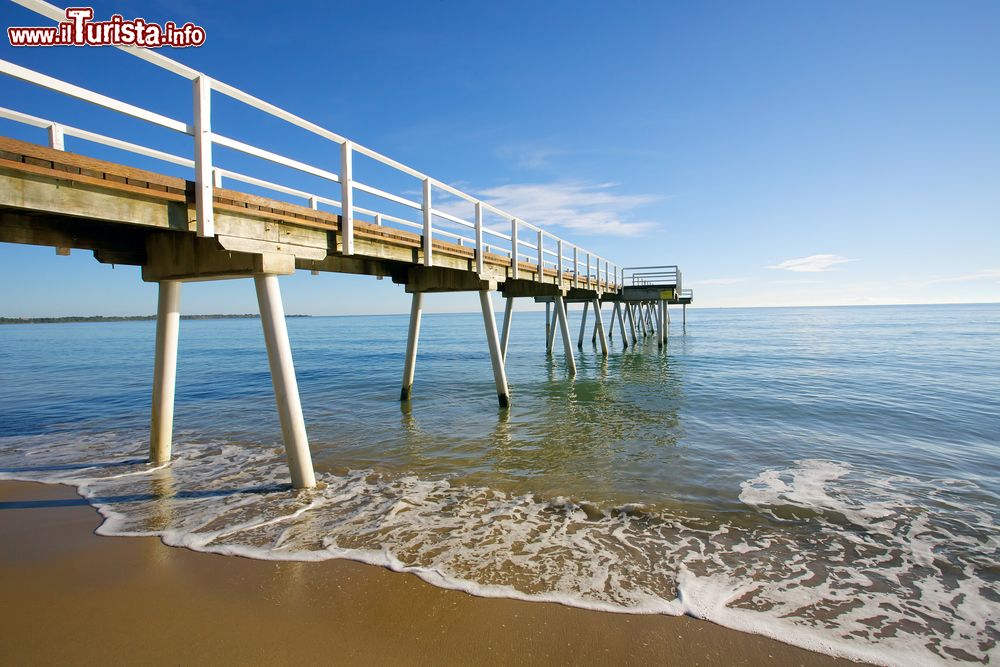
[
  {"x": 36, "y": 151},
  {"x": 90, "y": 180}
]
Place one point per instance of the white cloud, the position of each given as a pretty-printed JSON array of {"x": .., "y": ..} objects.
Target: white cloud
[
  {"x": 811, "y": 264},
  {"x": 587, "y": 208},
  {"x": 983, "y": 274},
  {"x": 719, "y": 281}
]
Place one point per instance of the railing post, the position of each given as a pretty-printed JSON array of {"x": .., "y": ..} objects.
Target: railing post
[
  {"x": 576, "y": 268},
  {"x": 216, "y": 178},
  {"x": 479, "y": 239},
  {"x": 588, "y": 270},
  {"x": 605, "y": 274},
  {"x": 378, "y": 219},
  {"x": 541, "y": 258},
  {"x": 513, "y": 248},
  {"x": 202, "y": 86},
  {"x": 347, "y": 197},
  {"x": 428, "y": 225},
  {"x": 56, "y": 137},
  {"x": 314, "y": 203},
  {"x": 559, "y": 262}
]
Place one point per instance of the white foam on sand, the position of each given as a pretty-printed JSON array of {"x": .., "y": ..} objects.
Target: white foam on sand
[{"x": 888, "y": 570}]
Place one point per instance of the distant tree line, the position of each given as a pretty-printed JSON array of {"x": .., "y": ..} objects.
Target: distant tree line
[{"x": 125, "y": 318}]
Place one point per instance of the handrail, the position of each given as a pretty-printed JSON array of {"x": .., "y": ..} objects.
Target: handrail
[
  {"x": 638, "y": 276},
  {"x": 206, "y": 171}
]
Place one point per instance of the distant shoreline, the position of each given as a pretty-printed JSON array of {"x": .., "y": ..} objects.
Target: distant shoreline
[{"x": 124, "y": 318}]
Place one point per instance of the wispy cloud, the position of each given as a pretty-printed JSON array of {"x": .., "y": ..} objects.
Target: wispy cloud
[
  {"x": 528, "y": 156},
  {"x": 719, "y": 281},
  {"x": 587, "y": 208},
  {"x": 812, "y": 263},
  {"x": 983, "y": 274}
]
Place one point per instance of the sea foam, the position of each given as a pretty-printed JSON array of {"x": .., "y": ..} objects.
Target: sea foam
[{"x": 891, "y": 570}]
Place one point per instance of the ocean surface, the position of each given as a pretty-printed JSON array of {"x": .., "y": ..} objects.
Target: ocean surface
[{"x": 826, "y": 476}]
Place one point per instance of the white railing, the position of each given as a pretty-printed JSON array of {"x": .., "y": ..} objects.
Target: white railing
[
  {"x": 640, "y": 276},
  {"x": 548, "y": 253}
]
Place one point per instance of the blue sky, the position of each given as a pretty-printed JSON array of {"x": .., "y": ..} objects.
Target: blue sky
[{"x": 783, "y": 153}]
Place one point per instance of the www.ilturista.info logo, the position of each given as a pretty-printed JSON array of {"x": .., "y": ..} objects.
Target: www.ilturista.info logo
[{"x": 79, "y": 29}]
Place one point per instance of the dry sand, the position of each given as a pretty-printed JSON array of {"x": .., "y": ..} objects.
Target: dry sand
[{"x": 70, "y": 596}]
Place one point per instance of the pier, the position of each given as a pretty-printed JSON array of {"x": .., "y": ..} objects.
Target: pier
[{"x": 181, "y": 230}]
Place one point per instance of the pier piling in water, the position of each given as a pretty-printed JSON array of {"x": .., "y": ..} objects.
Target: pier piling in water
[
  {"x": 412, "y": 339},
  {"x": 564, "y": 329},
  {"x": 286, "y": 389},
  {"x": 496, "y": 356},
  {"x": 508, "y": 313},
  {"x": 168, "y": 315}
]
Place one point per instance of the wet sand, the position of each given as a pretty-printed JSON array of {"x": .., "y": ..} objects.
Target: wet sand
[{"x": 72, "y": 596}]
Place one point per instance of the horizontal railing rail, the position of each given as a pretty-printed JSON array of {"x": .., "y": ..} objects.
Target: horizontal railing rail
[
  {"x": 525, "y": 243},
  {"x": 639, "y": 276}
]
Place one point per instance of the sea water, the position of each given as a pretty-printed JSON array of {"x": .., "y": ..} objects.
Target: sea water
[{"x": 826, "y": 476}]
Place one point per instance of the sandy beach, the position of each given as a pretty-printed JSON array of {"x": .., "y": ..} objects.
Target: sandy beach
[{"x": 72, "y": 596}]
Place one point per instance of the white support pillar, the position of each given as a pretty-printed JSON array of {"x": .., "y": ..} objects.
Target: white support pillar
[
  {"x": 637, "y": 310},
  {"x": 600, "y": 327},
  {"x": 583, "y": 324},
  {"x": 684, "y": 314},
  {"x": 631, "y": 323},
  {"x": 564, "y": 329},
  {"x": 611, "y": 329},
  {"x": 499, "y": 374},
  {"x": 621, "y": 323},
  {"x": 286, "y": 389},
  {"x": 168, "y": 315},
  {"x": 661, "y": 333},
  {"x": 550, "y": 328},
  {"x": 413, "y": 337},
  {"x": 508, "y": 313},
  {"x": 597, "y": 314},
  {"x": 548, "y": 322}
]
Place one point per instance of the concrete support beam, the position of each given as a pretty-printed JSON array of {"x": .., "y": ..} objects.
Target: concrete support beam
[
  {"x": 178, "y": 256},
  {"x": 564, "y": 329},
  {"x": 168, "y": 316},
  {"x": 416, "y": 309},
  {"x": 684, "y": 315},
  {"x": 583, "y": 324},
  {"x": 499, "y": 373},
  {"x": 508, "y": 313},
  {"x": 286, "y": 388},
  {"x": 600, "y": 328},
  {"x": 441, "y": 279},
  {"x": 530, "y": 288}
]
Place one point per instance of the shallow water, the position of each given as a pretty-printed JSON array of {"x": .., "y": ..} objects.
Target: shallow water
[{"x": 826, "y": 476}]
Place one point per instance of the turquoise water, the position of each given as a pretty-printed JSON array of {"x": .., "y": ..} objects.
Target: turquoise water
[{"x": 827, "y": 476}]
